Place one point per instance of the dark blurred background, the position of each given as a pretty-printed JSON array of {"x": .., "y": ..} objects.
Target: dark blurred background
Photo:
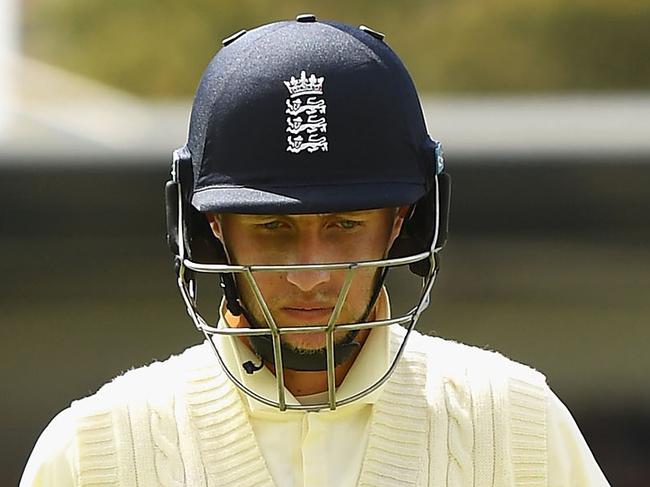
[{"x": 544, "y": 110}]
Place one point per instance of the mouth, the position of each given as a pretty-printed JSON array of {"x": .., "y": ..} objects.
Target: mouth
[{"x": 308, "y": 314}]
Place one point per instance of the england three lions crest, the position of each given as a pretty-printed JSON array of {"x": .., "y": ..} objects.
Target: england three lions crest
[{"x": 306, "y": 108}]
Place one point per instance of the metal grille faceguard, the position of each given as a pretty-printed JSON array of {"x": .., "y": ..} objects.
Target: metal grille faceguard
[{"x": 189, "y": 291}]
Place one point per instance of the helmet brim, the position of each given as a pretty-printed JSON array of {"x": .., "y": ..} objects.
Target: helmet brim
[{"x": 306, "y": 199}]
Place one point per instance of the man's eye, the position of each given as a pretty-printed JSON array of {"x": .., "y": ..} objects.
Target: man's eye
[
  {"x": 348, "y": 224},
  {"x": 272, "y": 225}
]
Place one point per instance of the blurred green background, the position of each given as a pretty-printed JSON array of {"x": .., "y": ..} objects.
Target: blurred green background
[
  {"x": 548, "y": 259},
  {"x": 157, "y": 48}
]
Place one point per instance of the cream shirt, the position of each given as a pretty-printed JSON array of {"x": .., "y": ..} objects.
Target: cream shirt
[{"x": 323, "y": 449}]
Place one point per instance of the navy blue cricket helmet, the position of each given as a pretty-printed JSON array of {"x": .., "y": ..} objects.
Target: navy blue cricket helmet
[{"x": 308, "y": 116}]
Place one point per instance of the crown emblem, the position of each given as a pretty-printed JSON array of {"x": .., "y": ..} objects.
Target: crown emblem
[
  {"x": 305, "y": 85},
  {"x": 306, "y": 123}
]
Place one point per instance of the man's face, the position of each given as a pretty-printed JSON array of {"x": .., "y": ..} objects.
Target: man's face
[{"x": 308, "y": 297}]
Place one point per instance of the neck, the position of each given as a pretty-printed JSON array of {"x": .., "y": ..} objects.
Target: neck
[{"x": 300, "y": 382}]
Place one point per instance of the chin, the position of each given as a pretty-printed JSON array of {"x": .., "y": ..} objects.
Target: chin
[
  {"x": 313, "y": 342},
  {"x": 306, "y": 342}
]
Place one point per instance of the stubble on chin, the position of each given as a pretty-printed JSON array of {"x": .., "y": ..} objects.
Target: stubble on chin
[{"x": 299, "y": 346}]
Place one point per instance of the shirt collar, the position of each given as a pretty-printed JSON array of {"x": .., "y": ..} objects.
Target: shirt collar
[{"x": 371, "y": 364}]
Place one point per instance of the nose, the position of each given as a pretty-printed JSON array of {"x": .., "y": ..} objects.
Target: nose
[
  {"x": 308, "y": 280},
  {"x": 310, "y": 249}
]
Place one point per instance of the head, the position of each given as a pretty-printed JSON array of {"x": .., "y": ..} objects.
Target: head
[{"x": 308, "y": 173}]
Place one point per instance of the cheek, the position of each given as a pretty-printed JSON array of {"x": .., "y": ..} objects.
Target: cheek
[
  {"x": 361, "y": 289},
  {"x": 269, "y": 283},
  {"x": 246, "y": 255},
  {"x": 362, "y": 248},
  {"x": 263, "y": 252}
]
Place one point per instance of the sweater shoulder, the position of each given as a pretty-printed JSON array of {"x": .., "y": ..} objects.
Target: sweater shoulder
[
  {"x": 156, "y": 378},
  {"x": 454, "y": 358},
  {"x": 138, "y": 415}
]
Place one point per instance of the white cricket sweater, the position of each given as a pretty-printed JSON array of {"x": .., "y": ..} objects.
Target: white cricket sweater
[{"x": 451, "y": 415}]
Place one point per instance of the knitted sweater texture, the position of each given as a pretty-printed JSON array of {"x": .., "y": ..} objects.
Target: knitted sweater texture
[{"x": 451, "y": 415}]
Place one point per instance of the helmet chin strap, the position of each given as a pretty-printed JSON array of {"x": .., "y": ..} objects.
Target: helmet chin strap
[{"x": 313, "y": 360}]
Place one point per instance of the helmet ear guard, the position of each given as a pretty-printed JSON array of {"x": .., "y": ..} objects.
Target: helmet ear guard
[
  {"x": 195, "y": 239},
  {"x": 418, "y": 230},
  {"x": 199, "y": 243}
]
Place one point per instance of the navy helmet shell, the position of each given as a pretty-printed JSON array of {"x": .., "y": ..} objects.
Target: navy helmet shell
[{"x": 306, "y": 117}]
